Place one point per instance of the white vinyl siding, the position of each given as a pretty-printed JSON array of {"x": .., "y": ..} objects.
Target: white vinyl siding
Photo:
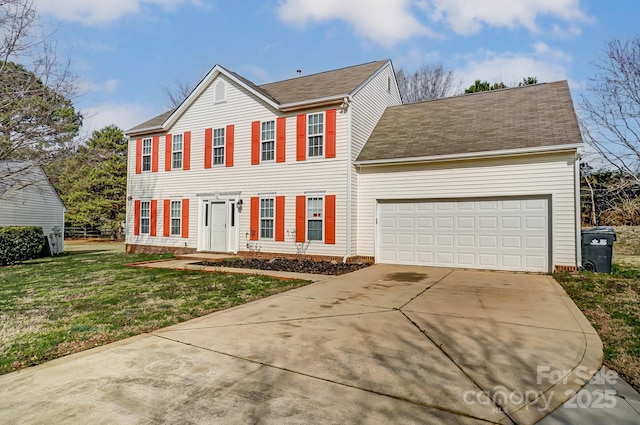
[
  {"x": 290, "y": 179},
  {"x": 367, "y": 106},
  {"x": 32, "y": 203},
  {"x": 550, "y": 175}
]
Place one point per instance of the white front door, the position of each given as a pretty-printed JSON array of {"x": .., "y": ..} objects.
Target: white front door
[{"x": 218, "y": 228}]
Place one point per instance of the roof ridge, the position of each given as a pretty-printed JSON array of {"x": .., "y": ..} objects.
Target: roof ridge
[
  {"x": 484, "y": 92},
  {"x": 325, "y": 72}
]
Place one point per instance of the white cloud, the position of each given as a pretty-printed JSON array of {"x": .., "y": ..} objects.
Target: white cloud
[
  {"x": 124, "y": 115},
  {"x": 543, "y": 62},
  {"x": 92, "y": 12},
  {"x": 386, "y": 22},
  {"x": 469, "y": 18}
]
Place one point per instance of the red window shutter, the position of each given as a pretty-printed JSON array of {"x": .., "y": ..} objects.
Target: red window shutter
[
  {"x": 330, "y": 219},
  {"x": 154, "y": 153},
  {"x": 230, "y": 145},
  {"x": 208, "y": 147},
  {"x": 331, "y": 133},
  {"x": 166, "y": 231},
  {"x": 301, "y": 218},
  {"x": 186, "y": 151},
  {"x": 281, "y": 137},
  {"x": 301, "y": 138},
  {"x": 255, "y": 143},
  {"x": 185, "y": 218},
  {"x": 136, "y": 217},
  {"x": 168, "y": 149},
  {"x": 254, "y": 219},
  {"x": 153, "y": 218},
  {"x": 279, "y": 218},
  {"x": 138, "y": 156}
]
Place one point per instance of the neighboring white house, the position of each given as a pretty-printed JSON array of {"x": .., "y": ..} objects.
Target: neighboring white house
[
  {"x": 481, "y": 181},
  {"x": 27, "y": 198}
]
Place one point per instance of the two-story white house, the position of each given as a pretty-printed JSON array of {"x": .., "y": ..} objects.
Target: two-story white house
[{"x": 481, "y": 181}]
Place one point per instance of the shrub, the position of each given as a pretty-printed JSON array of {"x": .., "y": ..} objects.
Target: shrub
[{"x": 18, "y": 244}]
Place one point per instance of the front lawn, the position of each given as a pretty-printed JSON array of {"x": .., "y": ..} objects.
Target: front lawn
[
  {"x": 57, "y": 306},
  {"x": 611, "y": 302}
]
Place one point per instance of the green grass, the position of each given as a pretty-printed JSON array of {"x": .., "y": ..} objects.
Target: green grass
[
  {"x": 611, "y": 302},
  {"x": 56, "y": 306}
]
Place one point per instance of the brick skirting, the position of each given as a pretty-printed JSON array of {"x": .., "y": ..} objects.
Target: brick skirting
[
  {"x": 570, "y": 269},
  {"x": 152, "y": 249}
]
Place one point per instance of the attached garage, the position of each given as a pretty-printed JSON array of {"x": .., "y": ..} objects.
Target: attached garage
[
  {"x": 483, "y": 181},
  {"x": 495, "y": 234}
]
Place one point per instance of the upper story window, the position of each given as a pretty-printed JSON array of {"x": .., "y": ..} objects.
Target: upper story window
[
  {"x": 177, "y": 149},
  {"x": 218, "y": 146},
  {"x": 268, "y": 141},
  {"x": 315, "y": 218},
  {"x": 145, "y": 217},
  {"x": 146, "y": 154},
  {"x": 315, "y": 135},
  {"x": 267, "y": 214},
  {"x": 176, "y": 218}
]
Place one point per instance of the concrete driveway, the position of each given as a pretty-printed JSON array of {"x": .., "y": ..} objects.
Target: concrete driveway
[{"x": 386, "y": 344}]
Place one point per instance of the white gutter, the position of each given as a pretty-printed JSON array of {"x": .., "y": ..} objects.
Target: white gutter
[
  {"x": 308, "y": 103},
  {"x": 577, "y": 208},
  {"x": 470, "y": 155},
  {"x": 349, "y": 184}
]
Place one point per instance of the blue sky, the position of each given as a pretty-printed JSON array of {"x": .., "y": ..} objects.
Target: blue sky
[{"x": 126, "y": 51}]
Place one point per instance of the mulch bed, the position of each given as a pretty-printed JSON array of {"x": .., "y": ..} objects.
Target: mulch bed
[{"x": 288, "y": 265}]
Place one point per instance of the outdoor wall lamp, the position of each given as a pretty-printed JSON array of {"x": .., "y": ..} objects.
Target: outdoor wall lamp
[{"x": 239, "y": 205}]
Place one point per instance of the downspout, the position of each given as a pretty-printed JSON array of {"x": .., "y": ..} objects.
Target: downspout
[
  {"x": 127, "y": 201},
  {"x": 349, "y": 176},
  {"x": 576, "y": 172}
]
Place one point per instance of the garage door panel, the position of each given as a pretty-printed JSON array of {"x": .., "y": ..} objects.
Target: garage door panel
[
  {"x": 468, "y": 223},
  {"x": 488, "y": 222},
  {"x": 466, "y": 241},
  {"x": 425, "y": 240},
  {"x": 506, "y": 234}
]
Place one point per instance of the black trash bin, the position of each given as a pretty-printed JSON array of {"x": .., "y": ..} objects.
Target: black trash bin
[{"x": 597, "y": 248}]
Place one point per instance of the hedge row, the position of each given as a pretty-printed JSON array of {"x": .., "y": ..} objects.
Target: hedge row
[{"x": 18, "y": 244}]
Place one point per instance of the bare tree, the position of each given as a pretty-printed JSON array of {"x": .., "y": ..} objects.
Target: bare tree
[
  {"x": 38, "y": 122},
  {"x": 427, "y": 83},
  {"x": 611, "y": 107},
  {"x": 177, "y": 93}
]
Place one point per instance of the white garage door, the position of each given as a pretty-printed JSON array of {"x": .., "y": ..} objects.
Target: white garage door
[{"x": 499, "y": 234}]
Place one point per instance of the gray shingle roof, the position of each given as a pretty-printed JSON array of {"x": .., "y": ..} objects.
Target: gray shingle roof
[
  {"x": 153, "y": 123},
  {"x": 325, "y": 84},
  {"x": 524, "y": 117}
]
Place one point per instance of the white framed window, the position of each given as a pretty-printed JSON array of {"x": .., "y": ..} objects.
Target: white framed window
[
  {"x": 218, "y": 146},
  {"x": 268, "y": 141},
  {"x": 176, "y": 218},
  {"x": 315, "y": 135},
  {"x": 145, "y": 217},
  {"x": 146, "y": 154},
  {"x": 177, "y": 151},
  {"x": 267, "y": 215},
  {"x": 315, "y": 218}
]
